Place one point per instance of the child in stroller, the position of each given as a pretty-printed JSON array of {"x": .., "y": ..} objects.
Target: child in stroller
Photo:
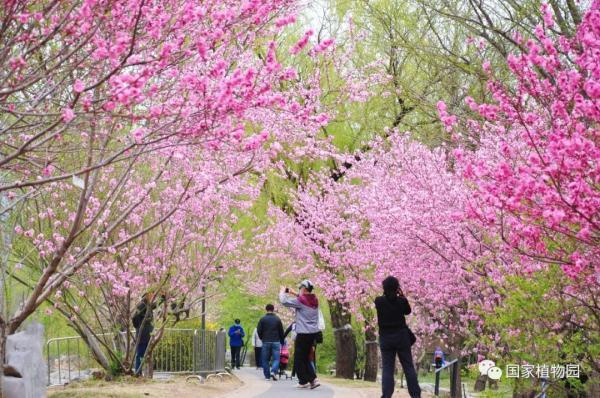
[{"x": 284, "y": 358}]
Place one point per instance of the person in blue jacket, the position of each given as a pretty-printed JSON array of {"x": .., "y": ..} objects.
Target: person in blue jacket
[
  {"x": 236, "y": 341},
  {"x": 439, "y": 358}
]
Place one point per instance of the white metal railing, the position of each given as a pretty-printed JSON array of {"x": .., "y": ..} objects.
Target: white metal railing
[{"x": 185, "y": 351}]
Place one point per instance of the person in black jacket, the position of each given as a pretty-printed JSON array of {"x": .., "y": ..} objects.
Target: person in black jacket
[
  {"x": 395, "y": 338},
  {"x": 270, "y": 331},
  {"x": 143, "y": 324}
]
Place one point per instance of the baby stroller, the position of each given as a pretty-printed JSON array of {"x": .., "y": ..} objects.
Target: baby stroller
[{"x": 284, "y": 359}]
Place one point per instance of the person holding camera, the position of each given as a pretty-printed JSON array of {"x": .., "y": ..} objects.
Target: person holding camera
[
  {"x": 306, "y": 305},
  {"x": 395, "y": 338},
  {"x": 143, "y": 323}
]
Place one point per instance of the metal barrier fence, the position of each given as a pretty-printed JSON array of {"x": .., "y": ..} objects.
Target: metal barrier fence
[
  {"x": 454, "y": 366},
  {"x": 190, "y": 351},
  {"x": 68, "y": 359}
]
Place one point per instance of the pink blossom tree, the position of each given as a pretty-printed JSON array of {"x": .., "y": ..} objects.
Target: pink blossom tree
[
  {"x": 523, "y": 194},
  {"x": 399, "y": 212},
  {"x": 535, "y": 171},
  {"x": 100, "y": 102},
  {"x": 178, "y": 259}
]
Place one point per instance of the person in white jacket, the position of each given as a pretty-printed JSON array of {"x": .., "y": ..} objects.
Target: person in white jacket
[{"x": 257, "y": 344}]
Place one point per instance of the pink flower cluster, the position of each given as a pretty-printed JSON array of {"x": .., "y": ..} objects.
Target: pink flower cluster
[
  {"x": 537, "y": 169},
  {"x": 452, "y": 225}
]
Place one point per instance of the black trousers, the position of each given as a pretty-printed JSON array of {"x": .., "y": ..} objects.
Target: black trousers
[
  {"x": 257, "y": 354},
  {"x": 305, "y": 372},
  {"x": 235, "y": 356},
  {"x": 397, "y": 343}
]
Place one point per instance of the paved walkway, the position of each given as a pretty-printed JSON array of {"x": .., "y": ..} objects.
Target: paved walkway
[{"x": 256, "y": 387}]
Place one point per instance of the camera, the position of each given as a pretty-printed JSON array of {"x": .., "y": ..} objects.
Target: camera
[{"x": 287, "y": 289}]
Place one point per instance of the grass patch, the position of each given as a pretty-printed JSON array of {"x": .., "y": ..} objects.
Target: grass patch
[
  {"x": 130, "y": 387},
  {"x": 504, "y": 388},
  {"x": 120, "y": 380},
  {"x": 92, "y": 394},
  {"x": 348, "y": 383},
  {"x": 94, "y": 388}
]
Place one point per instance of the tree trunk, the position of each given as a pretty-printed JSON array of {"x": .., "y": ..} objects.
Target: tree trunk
[
  {"x": 2, "y": 356},
  {"x": 593, "y": 387},
  {"x": 92, "y": 343},
  {"x": 456, "y": 353},
  {"x": 480, "y": 383},
  {"x": 150, "y": 366},
  {"x": 371, "y": 355},
  {"x": 493, "y": 384},
  {"x": 345, "y": 341},
  {"x": 457, "y": 379}
]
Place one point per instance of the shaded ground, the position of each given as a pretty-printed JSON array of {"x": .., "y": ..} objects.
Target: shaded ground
[{"x": 176, "y": 387}]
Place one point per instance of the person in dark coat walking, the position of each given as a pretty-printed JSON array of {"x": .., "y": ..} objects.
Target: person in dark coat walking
[
  {"x": 395, "y": 338},
  {"x": 270, "y": 331}
]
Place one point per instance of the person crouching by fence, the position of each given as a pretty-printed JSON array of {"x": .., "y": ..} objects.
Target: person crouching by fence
[
  {"x": 306, "y": 305},
  {"x": 395, "y": 338}
]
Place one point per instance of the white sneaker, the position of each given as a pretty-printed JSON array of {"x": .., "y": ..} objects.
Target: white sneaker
[{"x": 307, "y": 385}]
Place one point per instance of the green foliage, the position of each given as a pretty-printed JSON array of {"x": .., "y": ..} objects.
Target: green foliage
[
  {"x": 249, "y": 308},
  {"x": 55, "y": 325},
  {"x": 539, "y": 323},
  {"x": 239, "y": 304},
  {"x": 326, "y": 351},
  {"x": 115, "y": 367},
  {"x": 190, "y": 324}
]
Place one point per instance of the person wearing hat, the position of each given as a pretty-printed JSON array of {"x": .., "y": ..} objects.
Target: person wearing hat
[
  {"x": 306, "y": 305},
  {"x": 236, "y": 341}
]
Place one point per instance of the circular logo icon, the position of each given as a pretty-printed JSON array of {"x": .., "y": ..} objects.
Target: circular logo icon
[
  {"x": 494, "y": 373},
  {"x": 485, "y": 365}
]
